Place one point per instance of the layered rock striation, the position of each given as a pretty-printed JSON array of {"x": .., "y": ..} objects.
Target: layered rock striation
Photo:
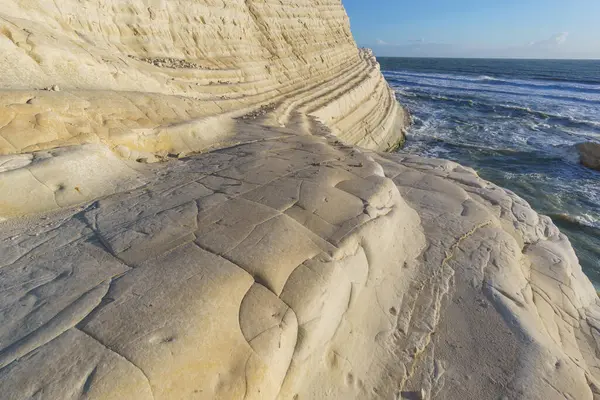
[
  {"x": 128, "y": 72},
  {"x": 196, "y": 209},
  {"x": 146, "y": 80}
]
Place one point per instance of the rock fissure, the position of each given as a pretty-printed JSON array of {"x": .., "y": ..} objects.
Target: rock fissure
[
  {"x": 123, "y": 357},
  {"x": 65, "y": 319}
]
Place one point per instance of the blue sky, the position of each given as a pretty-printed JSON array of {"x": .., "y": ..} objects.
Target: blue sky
[{"x": 478, "y": 28}]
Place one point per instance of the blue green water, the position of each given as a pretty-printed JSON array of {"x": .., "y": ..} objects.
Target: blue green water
[{"x": 517, "y": 123}]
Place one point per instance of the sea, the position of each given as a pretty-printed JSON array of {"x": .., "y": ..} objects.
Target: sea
[{"x": 516, "y": 122}]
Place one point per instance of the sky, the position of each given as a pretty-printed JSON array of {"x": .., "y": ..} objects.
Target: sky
[{"x": 477, "y": 28}]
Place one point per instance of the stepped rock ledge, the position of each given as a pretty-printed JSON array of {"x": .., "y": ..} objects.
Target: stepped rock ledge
[{"x": 194, "y": 205}]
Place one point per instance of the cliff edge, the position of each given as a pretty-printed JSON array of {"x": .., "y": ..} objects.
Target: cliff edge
[{"x": 194, "y": 208}]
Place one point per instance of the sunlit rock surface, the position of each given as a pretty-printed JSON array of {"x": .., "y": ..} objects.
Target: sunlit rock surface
[{"x": 194, "y": 208}]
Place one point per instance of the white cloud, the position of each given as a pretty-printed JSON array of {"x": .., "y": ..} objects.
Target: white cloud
[
  {"x": 560, "y": 45},
  {"x": 554, "y": 41},
  {"x": 562, "y": 37}
]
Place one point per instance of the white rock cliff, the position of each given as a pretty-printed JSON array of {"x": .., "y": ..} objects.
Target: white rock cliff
[{"x": 194, "y": 208}]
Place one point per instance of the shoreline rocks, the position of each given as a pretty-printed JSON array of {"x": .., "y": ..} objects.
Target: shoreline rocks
[{"x": 590, "y": 154}]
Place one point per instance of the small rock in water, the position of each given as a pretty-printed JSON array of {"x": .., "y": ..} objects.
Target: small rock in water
[{"x": 590, "y": 154}]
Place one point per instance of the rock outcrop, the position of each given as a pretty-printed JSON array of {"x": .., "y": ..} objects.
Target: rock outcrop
[
  {"x": 187, "y": 216},
  {"x": 590, "y": 154},
  {"x": 144, "y": 80}
]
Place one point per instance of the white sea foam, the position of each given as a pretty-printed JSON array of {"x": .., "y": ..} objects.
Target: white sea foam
[
  {"x": 483, "y": 85},
  {"x": 482, "y": 78},
  {"x": 584, "y": 219},
  {"x": 589, "y": 220}
]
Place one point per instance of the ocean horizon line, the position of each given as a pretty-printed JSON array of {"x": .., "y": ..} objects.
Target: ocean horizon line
[{"x": 489, "y": 58}]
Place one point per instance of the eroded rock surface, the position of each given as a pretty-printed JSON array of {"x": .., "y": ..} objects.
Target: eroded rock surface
[
  {"x": 111, "y": 82},
  {"x": 590, "y": 154},
  {"x": 185, "y": 216},
  {"x": 132, "y": 73},
  {"x": 296, "y": 267}
]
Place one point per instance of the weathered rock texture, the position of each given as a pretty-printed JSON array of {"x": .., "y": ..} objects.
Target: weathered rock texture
[
  {"x": 590, "y": 154},
  {"x": 280, "y": 263},
  {"x": 131, "y": 73},
  {"x": 143, "y": 80}
]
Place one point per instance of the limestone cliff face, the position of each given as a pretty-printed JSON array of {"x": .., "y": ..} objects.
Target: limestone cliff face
[
  {"x": 141, "y": 80},
  {"x": 187, "y": 217},
  {"x": 131, "y": 71}
]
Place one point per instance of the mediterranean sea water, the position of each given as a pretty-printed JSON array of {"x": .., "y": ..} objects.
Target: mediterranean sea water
[{"x": 517, "y": 123}]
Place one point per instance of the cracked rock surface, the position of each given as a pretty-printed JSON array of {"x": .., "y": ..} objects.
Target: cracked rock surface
[
  {"x": 296, "y": 267},
  {"x": 193, "y": 206}
]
